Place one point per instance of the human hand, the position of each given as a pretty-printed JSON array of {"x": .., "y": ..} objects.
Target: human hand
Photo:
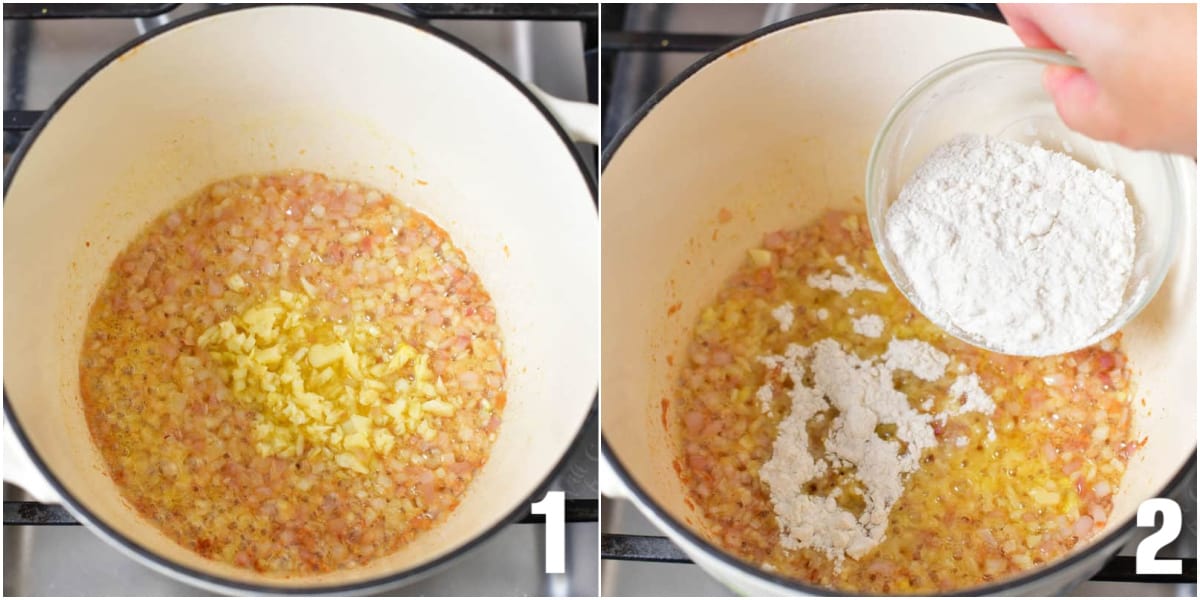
[{"x": 1137, "y": 86}]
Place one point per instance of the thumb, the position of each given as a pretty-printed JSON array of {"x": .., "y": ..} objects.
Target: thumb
[{"x": 1082, "y": 105}]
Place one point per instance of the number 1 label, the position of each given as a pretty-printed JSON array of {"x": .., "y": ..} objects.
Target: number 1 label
[
  {"x": 1146, "y": 563},
  {"x": 552, "y": 507}
]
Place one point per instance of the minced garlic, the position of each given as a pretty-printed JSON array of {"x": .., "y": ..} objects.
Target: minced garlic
[{"x": 341, "y": 399}]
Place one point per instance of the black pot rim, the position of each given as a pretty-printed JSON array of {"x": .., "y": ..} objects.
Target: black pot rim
[
  {"x": 749, "y": 569},
  {"x": 194, "y": 576}
]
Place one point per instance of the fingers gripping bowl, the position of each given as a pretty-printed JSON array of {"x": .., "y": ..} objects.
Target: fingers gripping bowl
[
  {"x": 133, "y": 138},
  {"x": 779, "y": 158}
]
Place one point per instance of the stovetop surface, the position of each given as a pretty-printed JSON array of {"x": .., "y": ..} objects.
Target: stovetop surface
[
  {"x": 42, "y": 58},
  {"x": 629, "y": 78}
]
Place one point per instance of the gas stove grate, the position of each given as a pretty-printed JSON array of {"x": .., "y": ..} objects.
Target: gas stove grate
[
  {"x": 17, "y": 121},
  {"x": 653, "y": 548},
  {"x": 36, "y": 513},
  {"x": 86, "y": 11},
  {"x": 658, "y": 41},
  {"x": 620, "y": 42},
  {"x": 621, "y": 95}
]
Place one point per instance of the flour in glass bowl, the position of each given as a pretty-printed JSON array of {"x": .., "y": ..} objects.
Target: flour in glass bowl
[{"x": 1024, "y": 248}]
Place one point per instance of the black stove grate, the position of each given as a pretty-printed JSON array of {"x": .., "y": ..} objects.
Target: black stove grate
[
  {"x": 17, "y": 121},
  {"x": 35, "y": 513},
  {"x": 653, "y": 548},
  {"x": 622, "y": 40},
  {"x": 85, "y": 11}
]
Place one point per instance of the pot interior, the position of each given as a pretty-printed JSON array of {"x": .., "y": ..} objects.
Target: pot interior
[
  {"x": 374, "y": 100},
  {"x": 778, "y": 131}
]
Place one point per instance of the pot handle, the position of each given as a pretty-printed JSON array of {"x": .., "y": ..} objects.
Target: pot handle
[
  {"x": 581, "y": 120},
  {"x": 20, "y": 471}
]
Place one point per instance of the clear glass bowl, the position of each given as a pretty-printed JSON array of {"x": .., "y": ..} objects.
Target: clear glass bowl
[{"x": 1000, "y": 93}]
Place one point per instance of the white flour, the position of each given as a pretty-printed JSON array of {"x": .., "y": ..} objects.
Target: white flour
[
  {"x": 786, "y": 315},
  {"x": 974, "y": 398},
  {"x": 846, "y": 284},
  {"x": 917, "y": 358},
  {"x": 1024, "y": 248},
  {"x": 868, "y": 325},
  {"x": 864, "y": 393}
]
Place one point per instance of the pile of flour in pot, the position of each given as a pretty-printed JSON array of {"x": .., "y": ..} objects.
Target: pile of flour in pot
[
  {"x": 1024, "y": 249},
  {"x": 853, "y": 396}
]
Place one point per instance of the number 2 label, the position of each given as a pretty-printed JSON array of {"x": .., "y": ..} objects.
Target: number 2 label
[
  {"x": 1146, "y": 563},
  {"x": 552, "y": 507}
]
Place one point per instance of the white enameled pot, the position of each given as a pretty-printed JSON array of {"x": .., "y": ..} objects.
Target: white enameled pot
[
  {"x": 777, "y": 128},
  {"x": 354, "y": 93}
]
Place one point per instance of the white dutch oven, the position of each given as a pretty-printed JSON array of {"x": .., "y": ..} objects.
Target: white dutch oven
[
  {"x": 356, "y": 94},
  {"x": 777, "y": 129}
]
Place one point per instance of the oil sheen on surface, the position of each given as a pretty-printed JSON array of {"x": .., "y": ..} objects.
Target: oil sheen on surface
[{"x": 980, "y": 507}]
